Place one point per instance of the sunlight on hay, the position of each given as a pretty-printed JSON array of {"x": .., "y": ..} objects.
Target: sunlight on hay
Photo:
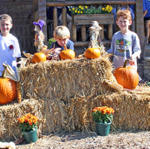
[
  {"x": 65, "y": 79},
  {"x": 63, "y": 93},
  {"x": 9, "y": 127}
]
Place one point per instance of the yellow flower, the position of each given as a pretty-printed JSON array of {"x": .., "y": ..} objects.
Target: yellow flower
[
  {"x": 103, "y": 8},
  {"x": 80, "y": 6}
]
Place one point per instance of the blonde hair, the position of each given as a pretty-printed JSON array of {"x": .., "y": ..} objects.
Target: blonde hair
[
  {"x": 4, "y": 17},
  {"x": 61, "y": 32},
  {"x": 126, "y": 14}
]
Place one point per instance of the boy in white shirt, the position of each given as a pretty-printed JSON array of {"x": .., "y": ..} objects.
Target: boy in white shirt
[{"x": 9, "y": 46}]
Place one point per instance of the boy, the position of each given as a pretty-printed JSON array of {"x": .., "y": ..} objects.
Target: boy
[
  {"x": 9, "y": 46},
  {"x": 61, "y": 35},
  {"x": 125, "y": 43},
  {"x": 146, "y": 10}
]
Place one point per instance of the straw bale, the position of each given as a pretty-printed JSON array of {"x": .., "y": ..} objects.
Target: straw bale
[
  {"x": 9, "y": 127},
  {"x": 71, "y": 88},
  {"x": 63, "y": 94},
  {"x": 132, "y": 109},
  {"x": 69, "y": 78}
]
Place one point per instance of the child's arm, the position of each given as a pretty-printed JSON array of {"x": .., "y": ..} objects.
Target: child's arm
[{"x": 136, "y": 50}]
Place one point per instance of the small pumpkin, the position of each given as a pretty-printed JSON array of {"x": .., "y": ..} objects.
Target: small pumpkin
[
  {"x": 67, "y": 54},
  {"x": 38, "y": 57},
  {"x": 8, "y": 90},
  {"x": 127, "y": 76},
  {"x": 92, "y": 53}
]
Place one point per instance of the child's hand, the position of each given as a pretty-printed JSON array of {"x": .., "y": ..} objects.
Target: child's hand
[{"x": 57, "y": 50}]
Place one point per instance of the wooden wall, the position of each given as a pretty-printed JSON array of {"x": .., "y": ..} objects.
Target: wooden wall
[
  {"x": 21, "y": 13},
  {"x": 26, "y": 11}
]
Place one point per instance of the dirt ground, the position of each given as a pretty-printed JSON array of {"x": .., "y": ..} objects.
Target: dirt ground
[{"x": 80, "y": 140}]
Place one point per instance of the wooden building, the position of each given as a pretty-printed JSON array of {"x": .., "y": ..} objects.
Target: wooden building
[
  {"x": 26, "y": 11},
  {"x": 21, "y": 13}
]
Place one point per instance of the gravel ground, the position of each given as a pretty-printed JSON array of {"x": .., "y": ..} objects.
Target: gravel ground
[{"x": 78, "y": 140}]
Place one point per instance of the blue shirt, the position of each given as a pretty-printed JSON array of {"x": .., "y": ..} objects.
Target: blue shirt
[
  {"x": 70, "y": 45},
  {"x": 131, "y": 8},
  {"x": 123, "y": 46},
  {"x": 146, "y": 6}
]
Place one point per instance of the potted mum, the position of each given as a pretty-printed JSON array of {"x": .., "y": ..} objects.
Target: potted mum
[
  {"x": 28, "y": 125},
  {"x": 103, "y": 117}
]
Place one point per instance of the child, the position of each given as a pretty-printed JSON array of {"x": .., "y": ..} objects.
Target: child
[
  {"x": 61, "y": 35},
  {"x": 125, "y": 43},
  {"x": 9, "y": 46},
  {"x": 146, "y": 10}
]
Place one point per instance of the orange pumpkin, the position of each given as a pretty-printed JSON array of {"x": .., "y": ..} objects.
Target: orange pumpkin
[
  {"x": 92, "y": 53},
  {"x": 67, "y": 54},
  {"x": 38, "y": 57},
  {"x": 127, "y": 76},
  {"x": 7, "y": 90}
]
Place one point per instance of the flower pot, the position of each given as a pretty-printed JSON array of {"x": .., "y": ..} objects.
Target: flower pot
[
  {"x": 30, "y": 136},
  {"x": 103, "y": 129}
]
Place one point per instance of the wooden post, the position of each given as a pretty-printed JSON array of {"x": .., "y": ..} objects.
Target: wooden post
[
  {"x": 55, "y": 16},
  {"x": 64, "y": 16},
  {"x": 35, "y": 10},
  {"x": 102, "y": 32},
  {"x": 110, "y": 31},
  {"x": 42, "y": 15},
  {"x": 140, "y": 23},
  {"x": 83, "y": 32},
  {"x": 74, "y": 32}
]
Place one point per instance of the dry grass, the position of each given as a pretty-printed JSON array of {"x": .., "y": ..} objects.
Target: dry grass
[{"x": 63, "y": 94}]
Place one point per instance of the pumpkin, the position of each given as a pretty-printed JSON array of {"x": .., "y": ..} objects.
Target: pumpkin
[
  {"x": 8, "y": 90},
  {"x": 67, "y": 54},
  {"x": 38, "y": 57},
  {"x": 92, "y": 53},
  {"x": 127, "y": 76}
]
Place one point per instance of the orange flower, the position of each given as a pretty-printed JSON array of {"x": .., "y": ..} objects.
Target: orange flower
[
  {"x": 104, "y": 115},
  {"x": 28, "y": 122}
]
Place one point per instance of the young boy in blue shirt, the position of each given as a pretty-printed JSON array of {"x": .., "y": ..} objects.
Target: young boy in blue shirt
[
  {"x": 125, "y": 43},
  {"x": 61, "y": 35}
]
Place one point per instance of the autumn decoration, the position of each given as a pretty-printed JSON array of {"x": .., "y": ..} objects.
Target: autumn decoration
[
  {"x": 127, "y": 76},
  {"x": 9, "y": 86}
]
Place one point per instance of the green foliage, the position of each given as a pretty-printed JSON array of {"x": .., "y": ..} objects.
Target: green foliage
[
  {"x": 50, "y": 41},
  {"x": 102, "y": 114},
  {"x": 26, "y": 127},
  {"x": 90, "y": 9}
]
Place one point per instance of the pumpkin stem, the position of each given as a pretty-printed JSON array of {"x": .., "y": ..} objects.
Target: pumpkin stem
[
  {"x": 65, "y": 47},
  {"x": 125, "y": 63}
]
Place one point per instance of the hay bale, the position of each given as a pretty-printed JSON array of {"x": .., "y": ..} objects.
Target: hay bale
[
  {"x": 66, "y": 79},
  {"x": 9, "y": 128},
  {"x": 131, "y": 110},
  {"x": 63, "y": 94}
]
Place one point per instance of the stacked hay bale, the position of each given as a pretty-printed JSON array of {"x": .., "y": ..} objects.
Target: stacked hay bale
[
  {"x": 63, "y": 94},
  {"x": 65, "y": 79},
  {"x": 9, "y": 128},
  {"x": 58, "y": 82}
]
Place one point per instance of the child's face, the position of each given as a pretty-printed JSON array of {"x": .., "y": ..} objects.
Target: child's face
[
  {"x": 5, "y": 27},
  {"x": 123, "y": 24},
  {"x": 62, "y": 42}
]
